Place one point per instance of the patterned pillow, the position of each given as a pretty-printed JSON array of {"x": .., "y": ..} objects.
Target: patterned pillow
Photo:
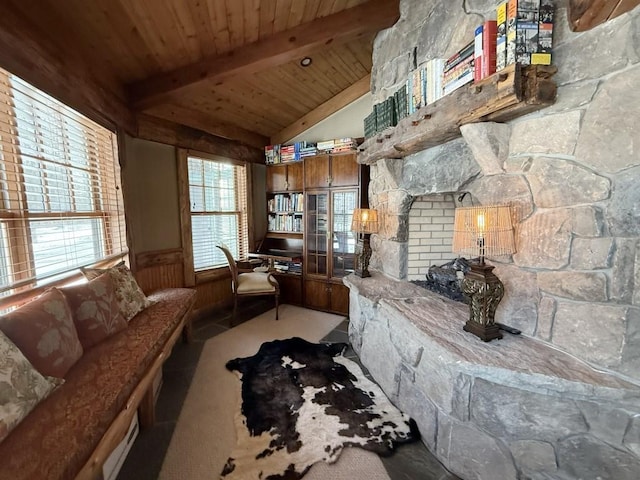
[
  {"x": 95, "y": 310},
  {"x": 131, "y": 298},
  {"x": 22, "y": 387},
  {"x": 44, "y": 332}
]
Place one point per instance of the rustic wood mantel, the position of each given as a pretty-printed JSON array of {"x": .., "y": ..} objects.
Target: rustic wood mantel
[{"x": 510, "y": 93}]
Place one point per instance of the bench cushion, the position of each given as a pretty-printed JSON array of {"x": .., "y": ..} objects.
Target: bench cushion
[{"x": 59, "y": 435}]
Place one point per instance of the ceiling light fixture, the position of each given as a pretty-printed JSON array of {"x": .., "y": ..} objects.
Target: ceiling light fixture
[{"x": 305, "y": 62}]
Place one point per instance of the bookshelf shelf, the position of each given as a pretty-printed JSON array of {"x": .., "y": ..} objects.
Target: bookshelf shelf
[{"x": 503, "y": 96}]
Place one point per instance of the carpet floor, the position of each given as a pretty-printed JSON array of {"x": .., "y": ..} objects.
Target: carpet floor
[{"x": 193, "y": 436}]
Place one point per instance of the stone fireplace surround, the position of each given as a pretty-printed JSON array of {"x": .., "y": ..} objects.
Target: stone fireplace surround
[{"x": 570, "y": 173}]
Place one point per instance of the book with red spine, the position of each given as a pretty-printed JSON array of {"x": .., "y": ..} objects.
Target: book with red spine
[
  {"x": 478, "y": 53},
  {"x": 489, "y": 38}
]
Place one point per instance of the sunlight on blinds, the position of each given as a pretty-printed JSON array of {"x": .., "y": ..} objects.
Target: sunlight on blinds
[
  {"x": 61, "y": 206},
  {"x": 218, "y": 199}
]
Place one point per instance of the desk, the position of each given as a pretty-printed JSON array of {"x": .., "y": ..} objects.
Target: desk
[{"x": 276, "y": 255}]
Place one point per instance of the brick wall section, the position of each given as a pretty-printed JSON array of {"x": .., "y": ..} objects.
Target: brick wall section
[{"x": 430, "y": 233}]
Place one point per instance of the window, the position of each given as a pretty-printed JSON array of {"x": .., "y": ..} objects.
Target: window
[
  {"x": 218, "y": 200},
  {"x": 61, "y": 204}
]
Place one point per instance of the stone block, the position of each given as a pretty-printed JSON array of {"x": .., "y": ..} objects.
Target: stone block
[
  {"x": 546, "y": 311},
  {"x": 504, "y": 189},
  {"x": 583, "y": 456},
  {"x": 389, "y": 257},
  {"x": 489, "y": 143},
  {"x": 580, "y": 286},
  {"x": 623, "y": 209},
  {"x": 590, "y": 331},
  {"x": 413, "y": 402},
  {"x": 591, "y": 253},
  {"x": 562, "y": 183},
  {"x": 631, "y": 350},
  {"x": 405, "y": 337},
  {"x": 472, "y": 454},
  {"x": 609, "y": 134},
  {"x": 606, "y": 422},
  {"x": 531, "y": 134},
  {"x": 518, "y": 307},
  {"x": 534, "y": 456},
  {"x": 624, "y": 269},
  {"x": 587, "y": 221},
  {"x": 550, "y": 251},
  {"x": 631, "y": 439},
  {"x": 511, "y": 413}
]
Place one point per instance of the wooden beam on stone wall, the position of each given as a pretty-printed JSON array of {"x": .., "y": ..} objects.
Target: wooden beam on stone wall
[
  {"x": 201, "y": 121},
  {"x": 275, "y": 50},
  {"x": 331, "y": 106},
  {"x": 512, "y": 92},
  {"x": 64, "y": 75},
  {"x": 586, "y": 14},
  {"x": 169, "y": 133}
]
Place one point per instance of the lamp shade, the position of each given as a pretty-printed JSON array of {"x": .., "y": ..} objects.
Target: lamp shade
[
  {"x": 483, "y": 230},
  {"x": 364, "y": 220}
]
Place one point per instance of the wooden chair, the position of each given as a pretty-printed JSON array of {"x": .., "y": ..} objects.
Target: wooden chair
[{"x": 249, "y": 283}]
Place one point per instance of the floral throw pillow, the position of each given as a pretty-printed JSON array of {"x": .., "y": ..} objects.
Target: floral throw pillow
[
  {"x": 22, "y": 387},
  {"x": 95, "y": 310},
  {"x": 44, "y": 332},
  {"x": 131, "y": 298}
]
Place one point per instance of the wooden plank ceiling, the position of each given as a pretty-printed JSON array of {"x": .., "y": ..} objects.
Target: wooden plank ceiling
[{"x": 227, "y": 67}]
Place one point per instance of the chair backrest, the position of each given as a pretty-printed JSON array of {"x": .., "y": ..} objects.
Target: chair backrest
[{"x": 233, "y": 266}]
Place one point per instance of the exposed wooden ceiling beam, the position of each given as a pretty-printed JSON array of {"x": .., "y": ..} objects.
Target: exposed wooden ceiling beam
[
  {"x": 278, "y": 49},
  {"x": 586, "y": 14},
  {"x": 202, "y": 121},
  {"x": 331, "y": 106},
  {"x": 170, "y": 133}
]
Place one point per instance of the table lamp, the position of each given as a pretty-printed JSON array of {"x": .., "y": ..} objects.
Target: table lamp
[
  {"x": 364, "y": 222},
  {"x": 480, "y": 231}
]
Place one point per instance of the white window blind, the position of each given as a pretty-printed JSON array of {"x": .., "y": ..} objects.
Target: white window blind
[
  {"x": 61, "y": 206},
  {"x": 218, "y": 199}
]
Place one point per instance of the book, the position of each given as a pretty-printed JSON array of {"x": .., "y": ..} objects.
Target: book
[
  {"x": 477, "y": 53},
  {"x": 522, "y": 30},
  {"x": 460, "y": 56},
  {"x": 434, "y": 72},
  {"x": 545, "y": 34},
  {"x": 401, "y": 106},
  {"x": 489, "y": 38},
  {"x": 501, "y": 37},
  {"x": 370, "y": 125},
  {"x": 416, "y": 89},
  {"x": 463, "y": 79}
]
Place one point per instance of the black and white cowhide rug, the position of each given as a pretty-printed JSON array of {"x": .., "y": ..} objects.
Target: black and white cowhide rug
[{"x": 304, "y": 402}]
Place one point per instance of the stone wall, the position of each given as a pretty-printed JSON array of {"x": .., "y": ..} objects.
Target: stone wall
[{"x": 571, "y": 172}]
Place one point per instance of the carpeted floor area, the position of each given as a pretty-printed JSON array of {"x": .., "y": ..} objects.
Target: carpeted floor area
[{"x": 152, "y": 447}]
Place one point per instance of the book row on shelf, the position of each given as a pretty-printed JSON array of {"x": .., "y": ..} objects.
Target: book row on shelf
[
  {"x": 284, "y": 223},
  {"x": 288, "y": 267},
  {"x": 298, "y": 151},
  {"x": 292, "y": 202},
  {"x": 522, "y": 32}
]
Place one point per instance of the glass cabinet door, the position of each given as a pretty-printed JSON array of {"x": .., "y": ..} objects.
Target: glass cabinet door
[
  {"x": 316, "y": 233},
  {"x": 343, "y": 241}
]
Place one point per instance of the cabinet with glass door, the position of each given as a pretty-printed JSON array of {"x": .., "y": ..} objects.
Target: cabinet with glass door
[{"x": 329, "y": 247}]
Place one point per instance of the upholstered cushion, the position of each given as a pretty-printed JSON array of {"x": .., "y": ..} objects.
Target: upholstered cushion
[
  {"x": 95, "y": 310},
  {"x": 56, "y": 439},
  {"x": 44, "y": 332},
  {"x": 131, "y": 298},
  {"x": 22, "y": 387},
  {"x": 256, "y": 282}
]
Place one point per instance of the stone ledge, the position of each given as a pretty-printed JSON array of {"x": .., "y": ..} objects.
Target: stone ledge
[{"x": 500, "y": 396}]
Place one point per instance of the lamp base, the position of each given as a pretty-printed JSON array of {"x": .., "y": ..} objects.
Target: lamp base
[
  {"x": 362, "y": 257},
  {"x": 485, "y": 291}
]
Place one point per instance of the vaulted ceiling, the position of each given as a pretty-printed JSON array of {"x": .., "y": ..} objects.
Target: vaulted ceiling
[{"x": 227, "y": 67}]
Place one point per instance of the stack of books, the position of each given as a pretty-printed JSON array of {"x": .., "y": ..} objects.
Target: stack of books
[
  {"x": 370, "y": 125},
  {"x": 416, "y": 88},
  {"x": 344, "y": 145},
  {"x": 484, "y": 56},
  {"x": 434, "y": 71},
  {"x": 307, "y": 149},
  {"x": 458, "y": 69},
  {"x": 401, "y": 103},
  {"x": 385, "y": 114},
  {"x": 272, "y": 154}
]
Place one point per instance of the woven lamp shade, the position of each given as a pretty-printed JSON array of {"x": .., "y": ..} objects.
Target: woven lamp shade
[
  {"x": 364, "y": 220},
  {"x": 483, "y": 231}
]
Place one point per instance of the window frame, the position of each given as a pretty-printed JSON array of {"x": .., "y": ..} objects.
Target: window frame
[
  {"x": 67, "y": 142},
  {"x": 191, "y": 276}
]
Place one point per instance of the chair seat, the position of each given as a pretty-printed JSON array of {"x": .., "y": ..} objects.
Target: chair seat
[{"x": 256, "y": 282}]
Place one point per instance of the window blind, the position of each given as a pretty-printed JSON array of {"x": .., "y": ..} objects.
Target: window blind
[
  {"x": 218, "y": 199},
  {"x": 61, "y": 202}
]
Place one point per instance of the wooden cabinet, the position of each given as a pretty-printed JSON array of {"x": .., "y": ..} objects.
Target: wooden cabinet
[
  {"x": 290, "y": 288},
  {"x": 329, "y": 252},
  {"x": 328, "y": 171},
  {"x": 285, "y": 177}
]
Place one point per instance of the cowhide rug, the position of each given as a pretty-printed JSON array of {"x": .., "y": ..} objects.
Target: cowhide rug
[{"x": 304, "y": 402}]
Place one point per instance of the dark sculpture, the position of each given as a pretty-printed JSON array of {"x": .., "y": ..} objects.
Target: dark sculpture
[{"x": 444, "y": 279}]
